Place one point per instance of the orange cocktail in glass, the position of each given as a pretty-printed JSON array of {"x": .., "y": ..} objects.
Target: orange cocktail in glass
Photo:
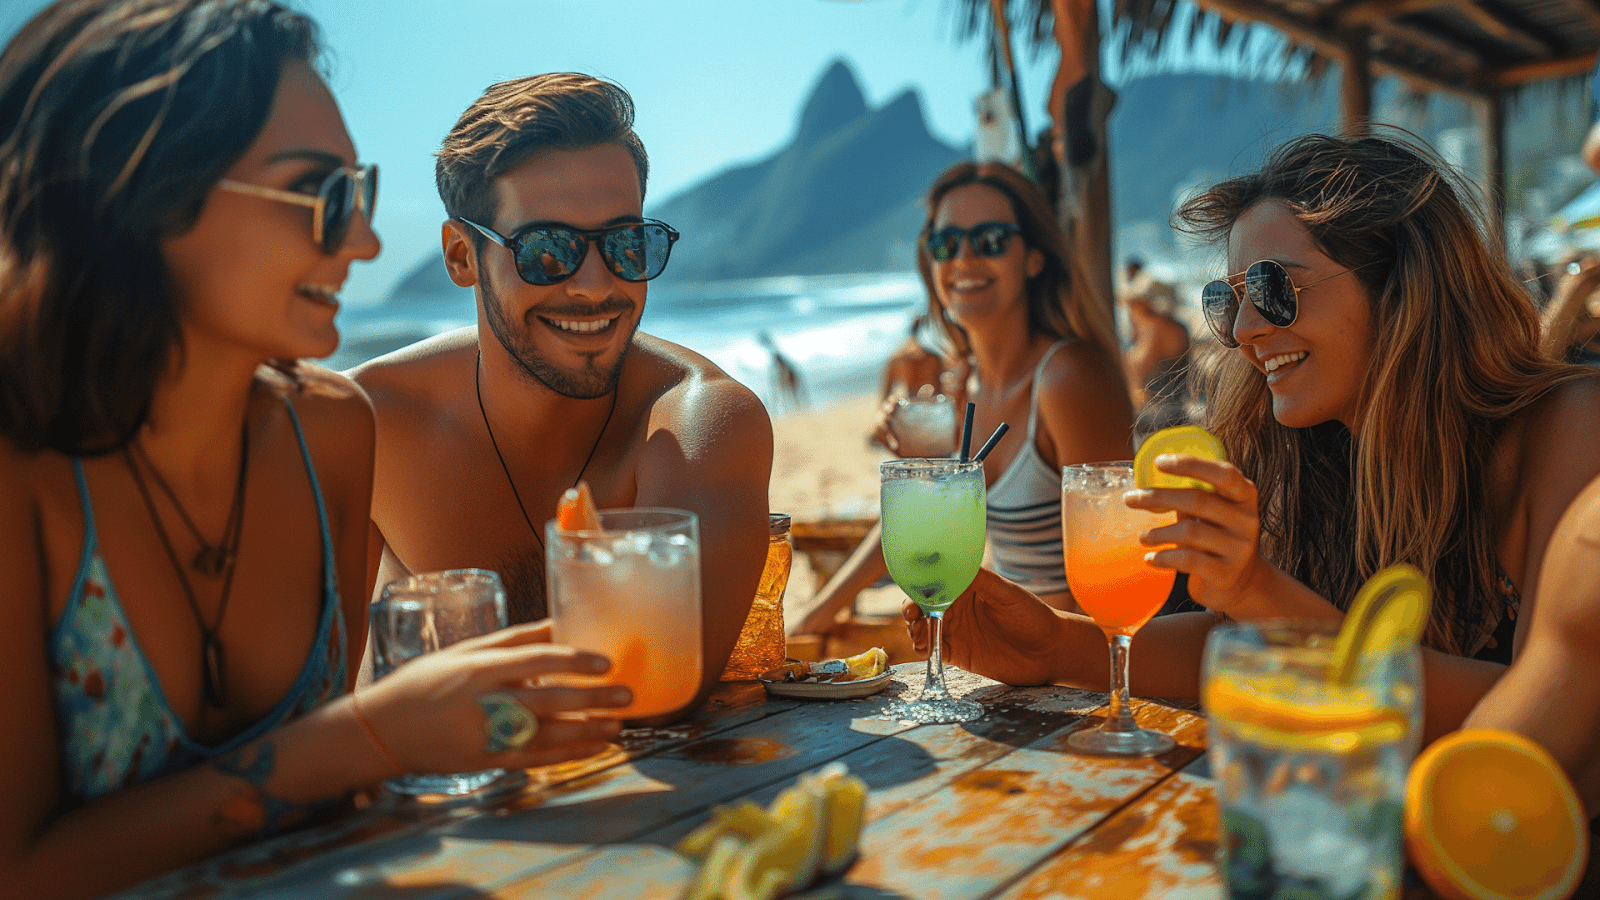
[{"x": 1109, "y": 578}]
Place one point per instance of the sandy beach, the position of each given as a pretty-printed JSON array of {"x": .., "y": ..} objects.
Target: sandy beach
[
  {"x": 821, "y": 464},
  {"x": 823, "y": 469}
]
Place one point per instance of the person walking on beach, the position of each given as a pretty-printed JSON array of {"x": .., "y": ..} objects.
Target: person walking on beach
[
  {"x": 1387, "y": 402},
  {"x": 183, "y": 504},
  {"x": 482, "y": 429}
]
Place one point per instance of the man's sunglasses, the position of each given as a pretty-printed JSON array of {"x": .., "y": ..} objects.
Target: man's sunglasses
[
  {"x": 985, "y": 239},
  {"x": 551, "y": 252},
  {"x": 1271, "y": 291},
  {"x": 345, "y": 190}
]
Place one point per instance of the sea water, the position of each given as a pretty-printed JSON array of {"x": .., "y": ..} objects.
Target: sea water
[{"x": 837, "y": 331}]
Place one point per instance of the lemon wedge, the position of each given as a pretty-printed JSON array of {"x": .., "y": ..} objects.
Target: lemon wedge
[
  {"x": 743, "y": 821},
  {"x": 1389, "y": 613},
  {"x": 811, "y": 830},
  {"x": 1189, "y": 439},
  {"x": 867, "y": 664}
]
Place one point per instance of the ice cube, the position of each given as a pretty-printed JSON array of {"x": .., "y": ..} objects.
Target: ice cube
[
  {"x": 670, "y": 551},
  {"x": 596, "y": 553},
  {"x": 1314, "y": 839}
]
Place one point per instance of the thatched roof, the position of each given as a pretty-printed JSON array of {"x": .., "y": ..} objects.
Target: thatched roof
[{"x": 1477, "y": 48}]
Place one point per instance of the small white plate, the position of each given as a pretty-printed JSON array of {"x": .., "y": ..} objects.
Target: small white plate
[{"x": 828, "y": 690}]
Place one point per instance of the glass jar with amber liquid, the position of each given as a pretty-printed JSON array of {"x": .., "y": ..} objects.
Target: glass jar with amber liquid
[{"x": 761, "y": 643}]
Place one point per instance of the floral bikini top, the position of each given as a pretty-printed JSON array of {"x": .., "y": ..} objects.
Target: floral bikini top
[{"x": 114, "y": 723}]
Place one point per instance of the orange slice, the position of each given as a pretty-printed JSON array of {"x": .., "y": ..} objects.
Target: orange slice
[
  {"x": 576, "y": 510},
  {"x": 1490, "y": 815}
]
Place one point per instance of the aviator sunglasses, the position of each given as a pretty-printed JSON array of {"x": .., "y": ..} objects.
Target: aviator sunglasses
[
  {"x": 985, "y": 239},
  {"x": 345, "y": 190},
  {"x": 551, "y": 252},
  {"x": 1271, "y": 291}
]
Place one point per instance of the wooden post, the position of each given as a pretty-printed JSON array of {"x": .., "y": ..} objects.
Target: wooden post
[
  {"x": 1494, "y": 164},
  {"x": 1355, "y": 88},
  {"x": 1002, "y": 32},
  {"x": 1088, "y": 224}
]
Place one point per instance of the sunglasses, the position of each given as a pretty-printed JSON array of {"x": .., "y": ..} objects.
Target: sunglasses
[
  {"x": 1271, "y": 291},
  {"x": 551, "y": 252},
  {"x": 985, "y": 239},
  {"x": 345, "y": 190}
]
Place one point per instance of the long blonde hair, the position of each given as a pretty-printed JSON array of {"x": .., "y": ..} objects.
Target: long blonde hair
[
  {"x": 1062, "y": 300},
  {"x": 1455, "y": 358}
]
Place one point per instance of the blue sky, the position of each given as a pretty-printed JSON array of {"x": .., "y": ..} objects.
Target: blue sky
[{"x": 716, "y": 82}]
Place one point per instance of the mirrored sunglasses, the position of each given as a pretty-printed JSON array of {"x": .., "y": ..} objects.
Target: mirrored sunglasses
[
  {"x": 985, "y": 238},
  {"x": 345, "y": 191},
  {"x": 551, "y": 252},
  {"x": 1271, "y": 291}
]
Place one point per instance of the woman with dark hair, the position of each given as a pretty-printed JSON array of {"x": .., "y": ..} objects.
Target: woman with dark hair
[
  {"x": 1387, "y": 402},
  {"x": 1011, "y": 297},
  {"x": 183, "y": 507}
]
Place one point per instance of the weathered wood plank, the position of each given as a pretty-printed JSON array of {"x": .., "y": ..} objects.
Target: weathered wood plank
[
  {"x": 1161, "y": 846},
  {"x": 1002, "y": 819},
  {"x": 899, "y": 770},
  {"x": 560, "y": 823}
]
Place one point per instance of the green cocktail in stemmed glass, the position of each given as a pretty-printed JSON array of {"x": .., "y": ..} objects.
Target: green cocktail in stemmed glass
[{"x": 932, "y": 519}]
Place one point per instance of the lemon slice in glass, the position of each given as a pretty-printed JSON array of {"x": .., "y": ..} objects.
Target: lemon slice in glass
[
  {"x": 1389, "y": 613},
  {"x": 1190, "y": 439}
]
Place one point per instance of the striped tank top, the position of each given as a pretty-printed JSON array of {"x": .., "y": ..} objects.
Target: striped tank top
[{"x": 1024, "y": 517}]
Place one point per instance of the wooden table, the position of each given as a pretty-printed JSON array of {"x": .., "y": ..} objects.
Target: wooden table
[{"x": 998, "y": 808}]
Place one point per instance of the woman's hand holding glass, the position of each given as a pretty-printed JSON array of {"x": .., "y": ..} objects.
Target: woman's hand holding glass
[
  {"x": 427, "y": 713},
  {"x": 996, "y": 629},
  {"x": 1215, "y": 539}
]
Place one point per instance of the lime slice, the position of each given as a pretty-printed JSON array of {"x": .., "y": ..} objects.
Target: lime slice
[
  {"x": 1389, "y": 613},
  {"x": 1190, "y": 439}
]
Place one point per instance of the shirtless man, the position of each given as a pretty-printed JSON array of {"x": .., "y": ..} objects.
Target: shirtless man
[{"x": 482, "y": 429}]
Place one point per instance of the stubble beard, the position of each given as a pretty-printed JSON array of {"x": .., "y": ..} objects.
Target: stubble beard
[{"x": 588, "y": 384}]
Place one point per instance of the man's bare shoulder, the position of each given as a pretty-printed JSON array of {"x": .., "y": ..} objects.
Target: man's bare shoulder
[
  {"x": 686, "y": 379},
  {"x": 417, "y": 376}
]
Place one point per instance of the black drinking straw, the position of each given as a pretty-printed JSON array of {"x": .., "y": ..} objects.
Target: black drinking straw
[
  {"x": 993, "y": 439},
  {"x": 966, "y": 432}
]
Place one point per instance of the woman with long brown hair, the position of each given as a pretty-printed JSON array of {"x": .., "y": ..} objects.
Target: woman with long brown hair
[
  {"x": 1010, "y": 296},
  {"x": 1386, "y": 402},
  {"x": 184, "y": 507}
]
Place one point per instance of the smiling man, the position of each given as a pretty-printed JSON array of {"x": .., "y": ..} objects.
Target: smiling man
[{"x": 481, "y": 430}]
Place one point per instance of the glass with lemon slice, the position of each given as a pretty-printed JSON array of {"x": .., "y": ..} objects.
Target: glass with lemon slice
[{"x": 1310, "y": 760}]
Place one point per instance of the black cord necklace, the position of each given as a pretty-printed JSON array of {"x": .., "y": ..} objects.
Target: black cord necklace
[
  {"x": 213, "y": 669},
  {"x": 477, "y": 386},
  {"x": 212, "y": 559}
]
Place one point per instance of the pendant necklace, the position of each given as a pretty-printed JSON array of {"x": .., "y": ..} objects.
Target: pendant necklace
[
  {"x": 221, "y": 558},
  {"x": 477, "y": 386}
]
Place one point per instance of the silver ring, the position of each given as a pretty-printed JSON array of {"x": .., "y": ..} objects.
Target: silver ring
[{"x": 509, "y": 724}]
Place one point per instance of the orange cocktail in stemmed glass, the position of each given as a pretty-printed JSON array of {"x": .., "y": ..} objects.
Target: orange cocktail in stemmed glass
[{"x": 1115, "y": 586}]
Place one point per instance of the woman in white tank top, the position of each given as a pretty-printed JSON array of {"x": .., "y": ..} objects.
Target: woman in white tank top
[{"x": 1009, "y": 295}]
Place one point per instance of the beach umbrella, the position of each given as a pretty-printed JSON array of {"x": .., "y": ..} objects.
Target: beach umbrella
[{"x": 1582, "y": 211}]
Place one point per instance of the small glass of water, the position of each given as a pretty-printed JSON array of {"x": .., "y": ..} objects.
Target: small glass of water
[
  {"x": 424, "y": 613},
  {"x": 924, "y": 426}
]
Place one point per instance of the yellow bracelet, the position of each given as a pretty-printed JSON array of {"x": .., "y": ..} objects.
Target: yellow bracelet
[{"x": 373, "y": 736}]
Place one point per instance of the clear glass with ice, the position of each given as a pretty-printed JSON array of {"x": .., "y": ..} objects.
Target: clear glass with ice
[
  {"x": 631, "y": 591},
  {"x": 424, "y": 613},
  {"x": 925, "y": 426},
  {"x": 1310, "y": 775}
]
